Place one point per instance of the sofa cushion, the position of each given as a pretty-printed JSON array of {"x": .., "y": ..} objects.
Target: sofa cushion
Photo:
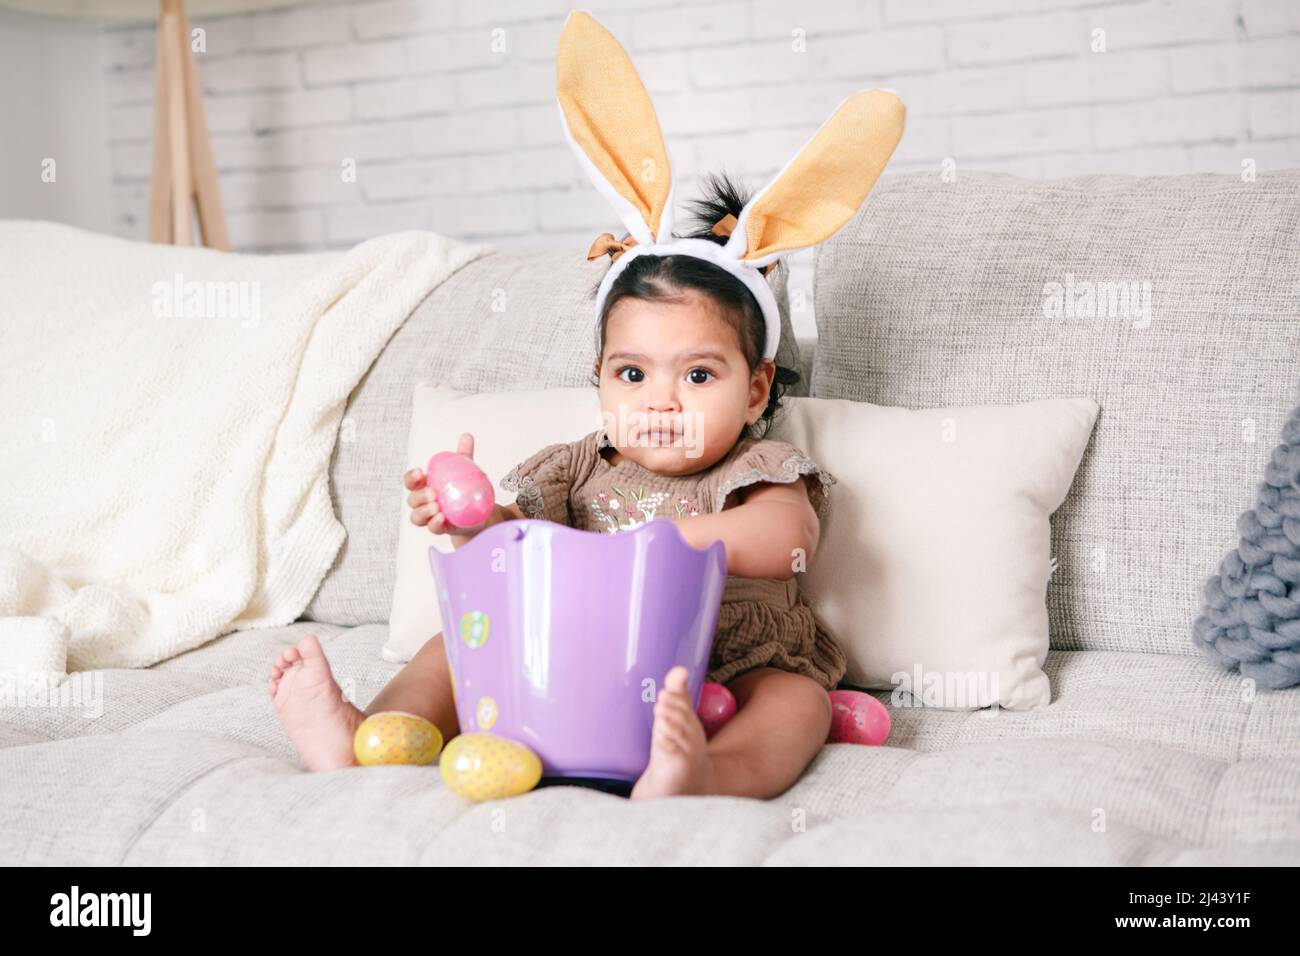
[
  {"x": 519, "y": 318},
  {"x": 932, "y": 563},
  {"x": 1140, "y": 759},
  {"x": 985, "y": 290}
]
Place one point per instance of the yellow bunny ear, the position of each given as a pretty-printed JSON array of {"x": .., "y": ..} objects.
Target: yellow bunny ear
[
  {"x": 824, "y": 185},
  {"x": 610, "y": 122}
]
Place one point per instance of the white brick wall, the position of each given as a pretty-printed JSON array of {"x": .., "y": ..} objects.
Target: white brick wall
[{"x": 446, "y": 107}]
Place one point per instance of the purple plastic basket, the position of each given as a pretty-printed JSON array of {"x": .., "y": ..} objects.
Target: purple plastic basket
[{"x": 553, "y": 634}]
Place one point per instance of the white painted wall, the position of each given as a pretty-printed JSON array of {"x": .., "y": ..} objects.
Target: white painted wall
[
  {"x": 447, "y": 106},
  {"x": 52, "y": 107}
]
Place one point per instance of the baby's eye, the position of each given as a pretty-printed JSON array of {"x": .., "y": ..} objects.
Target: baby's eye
[
  {"x": 631, "y": 368},
  {"x": 699, "y": 371}
]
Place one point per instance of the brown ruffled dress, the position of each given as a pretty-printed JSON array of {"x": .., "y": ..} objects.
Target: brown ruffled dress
[{"x": 763, "y": 622}]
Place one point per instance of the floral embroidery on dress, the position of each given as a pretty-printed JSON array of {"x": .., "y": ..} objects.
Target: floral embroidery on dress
[
  {"x": 686, "y": 507},
  {"x": 619, "y": 512}
]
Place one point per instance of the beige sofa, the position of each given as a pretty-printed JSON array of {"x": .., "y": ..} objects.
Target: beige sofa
[{"x": 1147, "y": 754}]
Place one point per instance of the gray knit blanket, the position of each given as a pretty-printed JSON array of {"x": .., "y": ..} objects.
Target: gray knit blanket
[{"x": 1251, "y": 618}]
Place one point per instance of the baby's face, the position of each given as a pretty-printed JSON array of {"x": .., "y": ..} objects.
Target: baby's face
[{"x": 675, "y": 390}]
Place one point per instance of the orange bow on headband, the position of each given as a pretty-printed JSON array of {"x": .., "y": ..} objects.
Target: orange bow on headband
[{"x": 606, "y": 244}]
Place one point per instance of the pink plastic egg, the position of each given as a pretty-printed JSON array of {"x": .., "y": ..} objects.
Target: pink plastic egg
[
  {"x": 717, "y": 706},
  {"x": 857, "y": 718},
  {"x": 464, "y": 492}
]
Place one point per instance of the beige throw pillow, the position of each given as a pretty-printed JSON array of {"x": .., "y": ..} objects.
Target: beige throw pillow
[{"x": 932, "y": 567}]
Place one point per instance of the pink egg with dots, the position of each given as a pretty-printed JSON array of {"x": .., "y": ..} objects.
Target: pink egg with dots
[
  {"x": 717, "y": 706},
  {"x": 464, "y": 492},
  {"x": 857, "y": 718}
]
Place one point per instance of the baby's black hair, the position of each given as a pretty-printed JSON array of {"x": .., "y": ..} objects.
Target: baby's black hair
[{"x": 655, "y": 278}]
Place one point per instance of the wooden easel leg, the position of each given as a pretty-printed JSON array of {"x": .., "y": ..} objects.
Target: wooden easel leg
[
  {"x": 184, "y": 172},
  {"x": 178, "y": 127},
  {"x": 160, "y": 206},
  {"x": 207, "y": 191}
]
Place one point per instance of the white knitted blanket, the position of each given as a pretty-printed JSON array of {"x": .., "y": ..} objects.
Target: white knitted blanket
[{"x": 167, "y": 418}]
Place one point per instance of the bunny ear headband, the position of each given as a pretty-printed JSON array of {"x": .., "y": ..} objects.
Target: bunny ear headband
[{"x": 611, "y": 124}]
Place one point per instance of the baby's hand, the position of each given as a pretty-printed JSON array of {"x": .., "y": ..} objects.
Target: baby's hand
[
  {"x": 424, "y": 503},
  {"x": 423, "y": 500}
]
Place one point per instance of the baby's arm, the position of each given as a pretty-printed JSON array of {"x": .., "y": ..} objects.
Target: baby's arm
[{"x": 763, "y": 533}]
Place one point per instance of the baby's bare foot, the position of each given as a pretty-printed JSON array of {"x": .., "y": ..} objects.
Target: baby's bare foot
[
  {"x": 679, "y": 752},
  {"x": 319, "y": 721}
]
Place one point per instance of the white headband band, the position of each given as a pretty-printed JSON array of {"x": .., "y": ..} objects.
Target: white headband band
[{"x": 713, "y": 252}]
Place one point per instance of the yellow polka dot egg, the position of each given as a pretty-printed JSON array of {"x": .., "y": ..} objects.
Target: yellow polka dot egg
[
  {"x": 396, "y": 737},
  {"x": 485, "y": 766}
]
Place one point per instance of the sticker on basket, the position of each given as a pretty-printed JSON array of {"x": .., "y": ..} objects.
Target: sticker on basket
[
  {"x": 487, "y": 713},
  {"x": 474, "y": 628}
]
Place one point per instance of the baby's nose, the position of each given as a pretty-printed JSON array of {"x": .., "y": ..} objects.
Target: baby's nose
[{"x": 665, "y": 401}]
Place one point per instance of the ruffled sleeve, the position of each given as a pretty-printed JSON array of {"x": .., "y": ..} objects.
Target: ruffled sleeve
[
  {"x": 541, "y": 484},
  {"x": 775, "y": 461}
]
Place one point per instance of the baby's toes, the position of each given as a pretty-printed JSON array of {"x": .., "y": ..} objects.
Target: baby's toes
[
  {"x": 669, "y": 706},
  {"x": 672, "y": 717},
  {"x": 675, "y": 709},
  {"x": 310, "y": 646},
  {"x": 674, "y": 701},
  {"x": 669, "y": 736}
]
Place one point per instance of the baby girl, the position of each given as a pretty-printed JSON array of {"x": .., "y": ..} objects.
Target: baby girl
[{"x": 680, "y": 354}]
